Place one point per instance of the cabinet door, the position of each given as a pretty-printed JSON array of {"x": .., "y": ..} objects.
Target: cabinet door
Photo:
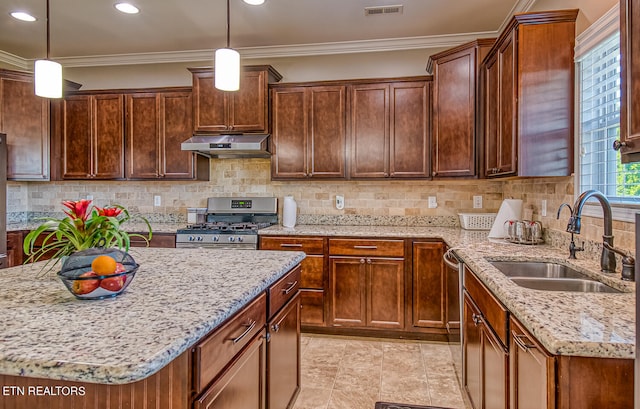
[
  {"x": 143, "y": 147},
  {"x": 630, "y": 77},
  {"x": 507, "y": 109},
  {"x": 283, "y": 356},
  {"x": 409, "y": 122},
  {"x": 428, "y": 306},
  {"x": 15, "y": 253},
  {"x": 312, "y": 308},
  {"x": 369, "y": 131},
  {"x": 242, "y": 384},
  {"x": 108, "y": 136},
  {"x": 385, "y": 293},
  {"x": 348, "y": 303},
  {"x": 76, "y": 137},
  {"x": 495, "y": 366},
  {"x": 248, "y": 105},
  {"x": 532, "y": 372},
  {"x": 176, "y": 126},
  {"x": 24, "y": 117},
  {"x": 454, "y": 108},
  {"x": 289, "y": 138},
  {"x": 210, "y": 109},
  {"x": 472, "y": 347},
  {"x": 327, "y": 128}
]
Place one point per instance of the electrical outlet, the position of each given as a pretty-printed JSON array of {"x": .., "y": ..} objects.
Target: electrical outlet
[
  {"x": 477, "y": 202},
  {"x": 89, "y": 197},
  {"x": 339, "y": 202},
  {"x": 157, "y": 200},
  {"x": 543, "y": 208},
  {"x": 432, "y": 202}
]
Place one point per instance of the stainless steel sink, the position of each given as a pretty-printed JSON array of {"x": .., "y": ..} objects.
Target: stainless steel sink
[
  {"x": 540, "y": 275},
  {"x": 564, "y": 284},
  {"x": 539, "y": 269}
]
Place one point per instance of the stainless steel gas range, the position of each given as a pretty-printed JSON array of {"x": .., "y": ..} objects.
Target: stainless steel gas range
[{"x": 230, "y": 223}]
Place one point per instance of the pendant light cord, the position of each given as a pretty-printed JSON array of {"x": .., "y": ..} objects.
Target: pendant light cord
[
  {"x": 228, "y": 24},
  {"x": 48, "y": 40}
]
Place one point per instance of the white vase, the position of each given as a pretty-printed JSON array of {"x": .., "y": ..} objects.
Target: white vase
[{"x": 289, "y": 212}]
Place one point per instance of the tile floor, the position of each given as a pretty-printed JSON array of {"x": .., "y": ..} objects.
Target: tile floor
[{"x": 354, "y": 373}]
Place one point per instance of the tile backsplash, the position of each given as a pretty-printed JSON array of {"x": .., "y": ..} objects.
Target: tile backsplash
[{"x": 401, "y": 202}]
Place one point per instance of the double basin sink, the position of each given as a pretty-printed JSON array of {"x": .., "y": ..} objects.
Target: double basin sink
[{"x": 540, "y": 275}]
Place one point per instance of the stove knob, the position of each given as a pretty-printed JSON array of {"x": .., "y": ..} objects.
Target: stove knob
[
  {"x": 215, "y": 238},
  {"x": 240, "y": 239},
  {"x": 191, "y": 238},
  {"x": 199, "y": 238},
  {"x": 232, "y": 239}
]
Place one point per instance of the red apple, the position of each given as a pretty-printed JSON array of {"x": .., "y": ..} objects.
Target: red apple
[
  {"x": 120, "y": 268},
  {"x": 85, "y": 286},
  {"x": 113, "y": 283}
]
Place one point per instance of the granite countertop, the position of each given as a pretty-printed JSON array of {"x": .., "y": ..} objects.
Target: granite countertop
[
  {"x": 176, "y": 297},
  {"x": 566, "y": 323}
]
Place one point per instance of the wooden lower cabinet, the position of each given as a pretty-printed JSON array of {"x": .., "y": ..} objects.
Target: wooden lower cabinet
[
  {"x": 242, "y": 384},
  {"x": 15, "y": 253},
  {"x": 283, "y": 356},
  {"x": 532, "y": 371},
  {"x": 429, "y": 298},
  {"x": 367, "y": 292},
  {"x": 486, "y": 361}
]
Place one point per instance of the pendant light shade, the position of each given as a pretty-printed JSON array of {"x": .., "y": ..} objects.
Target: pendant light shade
[
  {"x": 47, "y": 73},
  {"x": 48, "y": 79},
  {"x": 227, "y": 69},
  {"x": 226, "y": 65}
]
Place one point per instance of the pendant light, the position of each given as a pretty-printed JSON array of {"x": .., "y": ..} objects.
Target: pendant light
[
  {"x": 48, "y": 74},
  {"x": 227, "y": 65}
]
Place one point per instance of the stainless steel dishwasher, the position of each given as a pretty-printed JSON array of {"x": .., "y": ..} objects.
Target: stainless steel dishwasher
[{"x": 457, "y": 350}]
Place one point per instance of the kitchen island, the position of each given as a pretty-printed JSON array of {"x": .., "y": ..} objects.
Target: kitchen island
[{"x": 177, "y": 299}]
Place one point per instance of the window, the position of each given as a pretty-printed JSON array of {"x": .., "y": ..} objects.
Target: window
[{"x": 599, "y": 166}]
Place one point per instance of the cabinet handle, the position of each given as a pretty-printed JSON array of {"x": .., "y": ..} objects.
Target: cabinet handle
[
  {"x": 361, "y": 261},
  {"x": 290, "y": 288},
  {"x": 386, "y": 174},
  {"x": 617, "y": 144},
  {"x": 434, "y": 173},
  {"x": 249, "y": 326},
  {"x": 290, "y": 245},
  {"x": 523, "y": 342},
  {"x": 276, "y": 327},
  {"x": 368, "y": 261},
  {"x": 366, "y": 247},
  {"x": 476, "y": 318}
]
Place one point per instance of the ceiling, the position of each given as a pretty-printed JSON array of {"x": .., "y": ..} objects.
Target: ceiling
[{"x": 93, "y": 32}]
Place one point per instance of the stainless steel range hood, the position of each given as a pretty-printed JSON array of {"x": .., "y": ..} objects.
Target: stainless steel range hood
[{"x": 229, "y": 146}]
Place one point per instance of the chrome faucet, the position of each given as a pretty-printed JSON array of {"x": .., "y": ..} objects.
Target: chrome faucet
[{"x": 608, "y": 257}]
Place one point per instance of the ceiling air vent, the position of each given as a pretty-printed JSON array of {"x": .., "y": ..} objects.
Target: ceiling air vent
[{"x": 378, "y": 10}]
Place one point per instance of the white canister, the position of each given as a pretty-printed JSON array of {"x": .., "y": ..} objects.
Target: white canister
[{"x": 289, "y": 212}]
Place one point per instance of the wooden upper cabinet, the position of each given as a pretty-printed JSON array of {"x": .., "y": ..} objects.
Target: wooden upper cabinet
[
  {"x": 93, "y": 137},
  {"x": 24, "y": 117},
  {"x": 309, "y": 126},
  {"x": 157, "y": 123},
  {"x": 630, "y": 80},
  {"x": 245, "y": 110},
  {"x": 456, "y": 114},
  {"x": 529, "y": 96},
  {"x": 389, "y": 129}
]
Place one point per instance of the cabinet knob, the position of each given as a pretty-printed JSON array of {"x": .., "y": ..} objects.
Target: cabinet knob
[
  {"x": 617, "y": 144},
  {"x": 386, "y": 174},
  {"x": 434, "y": 174},
  {"x": 368, "y": 261},
  {"x": 361, "y": 261}
]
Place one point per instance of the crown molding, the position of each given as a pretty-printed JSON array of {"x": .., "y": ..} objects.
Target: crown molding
[
  {"x": 15, "y": 61},
  {"x": 598, "y": 31},
  {"x": 521, "y": 6},
  {"x": 346, "y": 47}
]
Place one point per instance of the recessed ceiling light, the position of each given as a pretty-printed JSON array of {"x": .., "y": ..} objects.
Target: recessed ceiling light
[
  {"x": 254, "y": 2},
  {"x": 21, "y": 15},
  {"x": 127, "y": 8}
]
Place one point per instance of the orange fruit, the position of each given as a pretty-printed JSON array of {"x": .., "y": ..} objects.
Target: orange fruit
[{"x": 104, "y": 265}]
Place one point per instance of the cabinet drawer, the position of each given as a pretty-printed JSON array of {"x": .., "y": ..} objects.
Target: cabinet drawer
[
  {"x": 356, "y": 247},
  {"x": 494, "y": 313},
  {"x": 219, "y": 348},
  {"x": 312, "y": 275},
  {"x": 308, "y": 245},
  {"x": 283, "y": 290},
  {"x": 312, "y": 310}
]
